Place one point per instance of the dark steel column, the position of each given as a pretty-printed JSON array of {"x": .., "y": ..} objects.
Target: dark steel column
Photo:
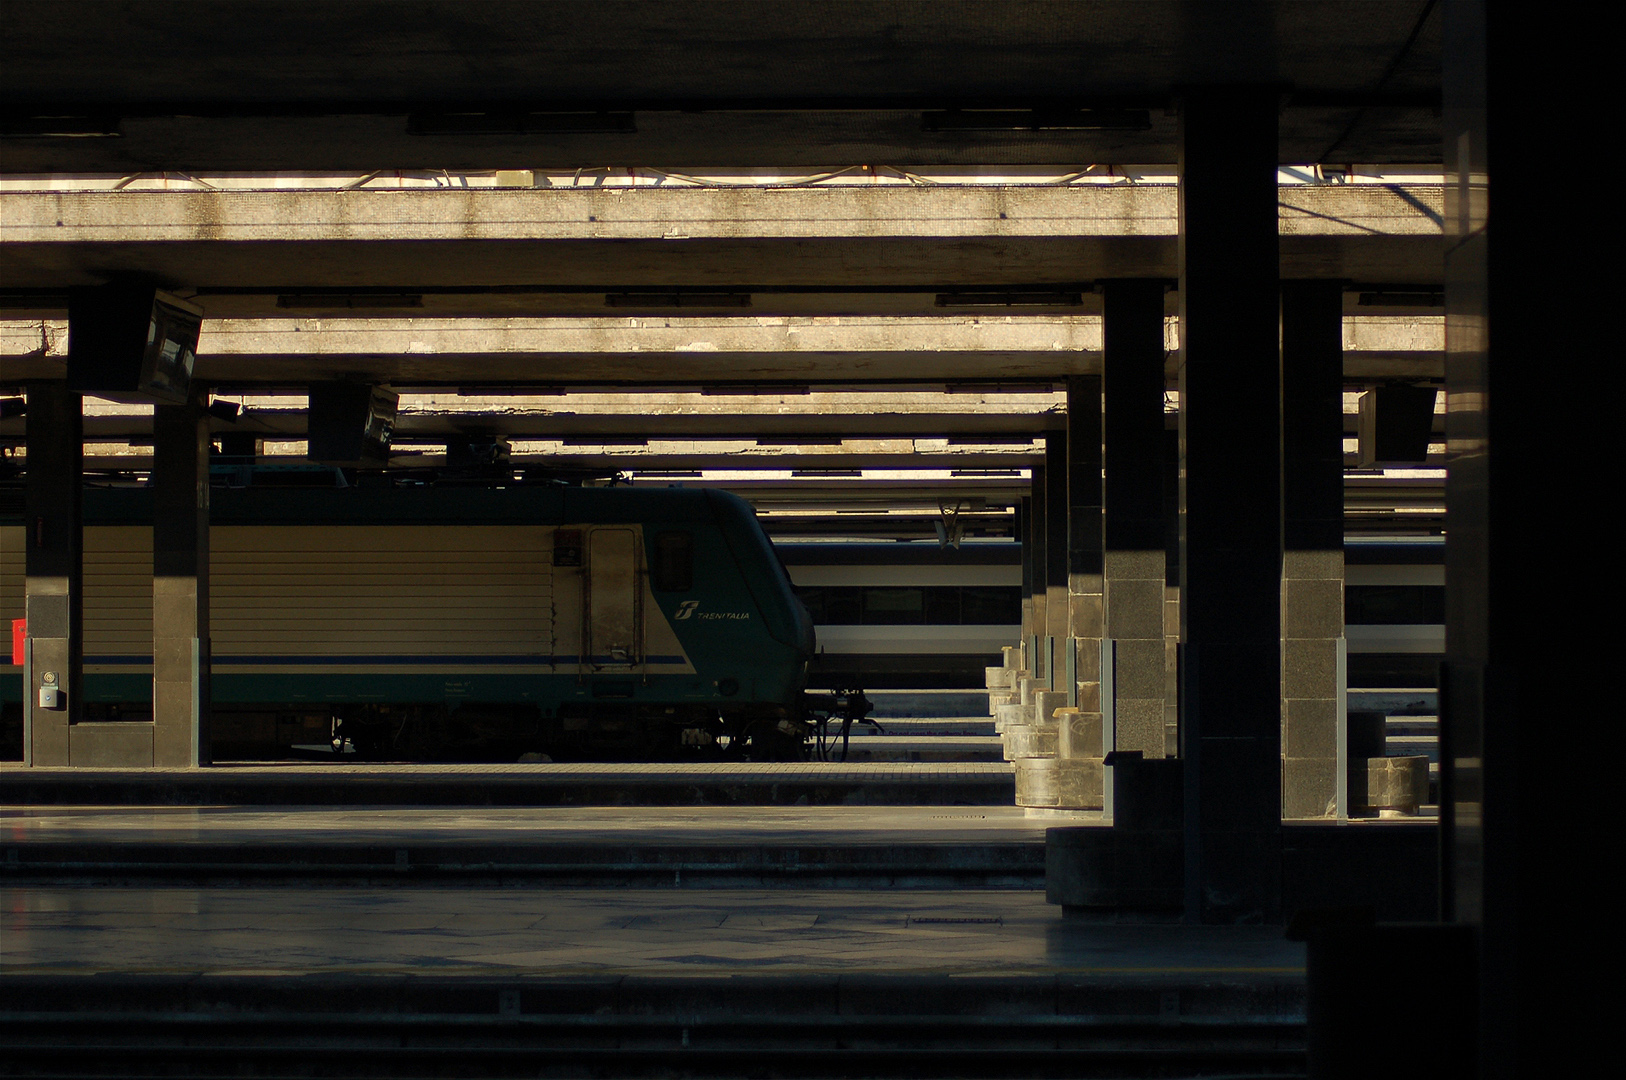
[
  {"x": 1533, "y": 583},
  {"x": 1024, "y": 536},
  {"x": 1085, "y": 611},
  {"x": 1132, "y": 427},
  {"x": 53, "y": 562},
  {"x": 1037, "y": 541},
  {"x": 180, "y": 585},
  {"x": 1231, "y": 563},
  {"x": 1313, "y": 544}
]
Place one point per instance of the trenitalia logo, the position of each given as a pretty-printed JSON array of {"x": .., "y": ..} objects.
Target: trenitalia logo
[{"x": 686, "y": 609}]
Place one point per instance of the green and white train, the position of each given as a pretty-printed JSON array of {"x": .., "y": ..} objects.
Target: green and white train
[{"x": 439, "y": 622}]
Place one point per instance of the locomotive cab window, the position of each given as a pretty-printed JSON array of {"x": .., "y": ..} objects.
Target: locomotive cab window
[{"x": 673, "y": 565}]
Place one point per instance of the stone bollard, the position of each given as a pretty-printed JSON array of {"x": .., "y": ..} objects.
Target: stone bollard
[
  {"x": 1029, "y": 741},
  {"x": 1024, "y": 735},
  {"x": 1052, "y": 783},
  {"x": 1009, "y": 715},
  {"x": 1396, "y": 786},
  {"x": 1055, "y": 781},
  {"x": 1081, "y": 734},
  {"x": 1045, "y": 704},
  {"x": 998, "y": 680}
]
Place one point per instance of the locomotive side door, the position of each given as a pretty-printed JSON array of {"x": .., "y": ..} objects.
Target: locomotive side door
[{"x": 614, "y": 631}]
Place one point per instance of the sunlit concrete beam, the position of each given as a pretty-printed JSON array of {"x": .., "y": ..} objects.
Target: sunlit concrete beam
[
  {"x": 655, "y": 351},
  {"x": 609, "y": 238}
]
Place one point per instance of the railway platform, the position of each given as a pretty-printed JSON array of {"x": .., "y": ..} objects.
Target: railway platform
[
  {"x": 556, "y": 846},
  {"x": 941, "y": 783}
]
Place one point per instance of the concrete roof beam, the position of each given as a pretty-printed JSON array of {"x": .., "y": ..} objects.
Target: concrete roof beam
[{"x": 928, "y": 237}]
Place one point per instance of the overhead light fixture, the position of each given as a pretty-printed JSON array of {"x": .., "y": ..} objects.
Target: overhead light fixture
[
  {"x": 520, "y": 122},
  {"x": 350, "y": 423},
  {"x": 1014, "y": 298},
  {"x": 224, "y": 410},
  {"x": 1036, "y": 120},
  {"x": 130, "y": 339},
  {"x": 678, "y": 299},
  {"x": 59, "y": 127},
  {"x": 349, "y": 300}
]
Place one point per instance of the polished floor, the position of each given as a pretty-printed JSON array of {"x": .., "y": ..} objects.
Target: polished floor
[{"x": 559, "y": 932}]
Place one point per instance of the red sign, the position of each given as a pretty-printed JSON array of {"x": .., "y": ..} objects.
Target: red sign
[{"x": 19, "y": 634}]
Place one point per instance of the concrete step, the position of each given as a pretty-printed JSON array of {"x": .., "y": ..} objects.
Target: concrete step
[
  {"x": 725, "y": 1027},
  {"x": 499, "y": 982}
]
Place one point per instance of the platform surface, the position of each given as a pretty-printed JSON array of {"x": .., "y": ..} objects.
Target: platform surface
[
  {"x": 442, "y": 932},
  {"x": 895, "y": 783},
  {"x": 684, "y": 825}
]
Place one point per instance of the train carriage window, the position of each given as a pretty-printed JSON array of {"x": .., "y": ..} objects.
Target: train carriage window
[
  {"x": 1395, "y": 605},
  {"x": 835, "y": 605},
  {"x": 673, "y": 565},
  {"x": 942, "y": 605},
  {"x": 990, "y": 605},
  {"x": 892, "y": 606}
]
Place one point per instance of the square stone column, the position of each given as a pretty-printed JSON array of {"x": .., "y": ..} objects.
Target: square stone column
[
  {"x": 1086, "y": 612},
  {"x": 1132, "y": 458},
  {"x": 1024, "y": 535},
  {"x": 1058, "y": 519},
  {"x": 53, "y": 565},
  {"x": 1231, "y": 566},
  {"x": 1035, "y": 544},
  {"x": 180, "y": 585},
  {"x": 1313, "y": 545}
]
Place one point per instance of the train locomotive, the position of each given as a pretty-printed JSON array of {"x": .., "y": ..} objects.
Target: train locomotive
[{"x": 537, "y": 622}]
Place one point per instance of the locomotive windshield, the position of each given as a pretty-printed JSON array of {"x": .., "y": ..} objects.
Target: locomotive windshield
[{"x": 672, "y": 565}]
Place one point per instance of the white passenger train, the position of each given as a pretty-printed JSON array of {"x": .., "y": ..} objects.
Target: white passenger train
[{"x": 904, "y": 615}]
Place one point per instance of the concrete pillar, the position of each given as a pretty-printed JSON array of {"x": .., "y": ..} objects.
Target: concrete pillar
[
  {"x": 1230, "y": 428},
  {"x": 1084, "y": 601},
  {"x": 180, "y": 585},
  {"x": 1526, "y": 612},
  {"x": 1171, "y": 588},
  {"x": 1037, "y": 542},
  {"x": 53, "y": 559},
  {"x": 1132, "y": 456},
  {"x": 1057, "y": 520},
  {"x": 1024, "y": 536},
  {"x": 1312, "y": 544}
]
